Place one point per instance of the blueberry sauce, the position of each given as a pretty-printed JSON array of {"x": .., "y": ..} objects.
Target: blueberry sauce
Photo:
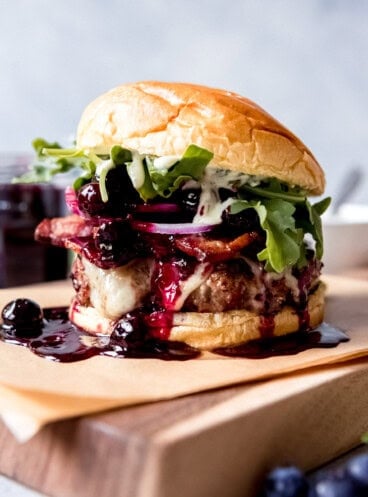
[
  {"x": 267, "y": 326},
  {"x": 168, "y": 275},
  {"x": 304, "y": 319},
  {"x": 51, "y": 335},
  {"x": 56, "y": 338}
]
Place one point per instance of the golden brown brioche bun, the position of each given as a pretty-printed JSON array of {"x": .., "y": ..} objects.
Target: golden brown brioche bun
[
  {"x": 206, "y": 331},
  {"x": 164, "y": 118}
]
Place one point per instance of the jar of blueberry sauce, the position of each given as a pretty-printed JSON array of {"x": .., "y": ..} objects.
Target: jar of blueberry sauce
[{"x": 22, "y": 207}]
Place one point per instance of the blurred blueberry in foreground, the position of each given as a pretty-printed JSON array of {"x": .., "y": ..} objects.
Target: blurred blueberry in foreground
[
  {"x": 348, "y": 480},
  {"x": 285, "y": 482},
  {"x": 334, "y": 486},
  {"x": 357, "y": 470}
]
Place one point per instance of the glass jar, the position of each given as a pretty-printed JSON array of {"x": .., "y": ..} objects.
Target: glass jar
[{"x": 22, "y": 207}]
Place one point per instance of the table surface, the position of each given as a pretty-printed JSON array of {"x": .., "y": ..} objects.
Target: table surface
[{"x": 10, "y": 488}]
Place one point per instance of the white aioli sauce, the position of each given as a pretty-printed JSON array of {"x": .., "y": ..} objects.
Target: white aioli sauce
[
  {"x": 164, "y": 163},
  {"x": 210, "y": 207},
  {"x": 136, "y": 170},
  {"x": 102, "y": 166},
  {"x": 101, "y": 172}
]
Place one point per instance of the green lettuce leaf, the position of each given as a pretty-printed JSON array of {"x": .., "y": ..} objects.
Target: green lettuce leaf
[
  {"x": 283, "y": 239},
  {"x": 51, "y": 159},
  {"x": 190, "y": 167},
  {"x": 285, "y": 223},
  {"x": 165, "y": 182},
  {"x": 120, "y": 156},
  {"x": 273, "y": 188},
  {"x": 308, "y": 218}
]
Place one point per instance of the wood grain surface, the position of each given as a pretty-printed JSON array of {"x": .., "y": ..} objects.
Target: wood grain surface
[{"x": 204, "y": 444}]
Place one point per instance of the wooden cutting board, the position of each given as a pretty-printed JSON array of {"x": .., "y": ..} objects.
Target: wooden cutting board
[
  {"x": 218, "y": 443},
  {"x": 204, "y": 444}
]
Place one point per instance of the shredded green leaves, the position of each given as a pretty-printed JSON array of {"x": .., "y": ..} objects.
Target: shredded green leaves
[
  {"x": 284, "y": 212},
  {"x": 191, "y": 166},
  {"x": 51, "y": 159}
]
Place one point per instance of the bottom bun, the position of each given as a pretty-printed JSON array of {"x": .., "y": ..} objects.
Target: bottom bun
[
  {"x": 207, "y": 330},
  {"x": 211, "y": 330}
]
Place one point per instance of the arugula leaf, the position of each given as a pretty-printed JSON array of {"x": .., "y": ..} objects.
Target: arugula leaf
[
  {"x": 283, "y": 239},
  {"x": 285, "y": 223},
  {"x": 40, "y": 143},
  {"x": 308, "y": 218},
  {"x": 51, "y": 159},
  {"x": 273, "y": 188},
  {"x": 190, "y": 167},
  {"x": 120, "y": 156},
  {"x": 322, "y": 206},
  {"x": 164, "y": 182}
]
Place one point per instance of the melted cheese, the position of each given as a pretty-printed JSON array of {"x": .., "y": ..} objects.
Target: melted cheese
[
  {"x": 264, "y": 278},
  {"x": 290, "y": 280},
  {"x": 113, "y": 292},
  {"x": 188, "y": 286}
]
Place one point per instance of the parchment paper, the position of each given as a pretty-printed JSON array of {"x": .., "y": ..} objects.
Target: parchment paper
[{"x": 35, "y": 391}]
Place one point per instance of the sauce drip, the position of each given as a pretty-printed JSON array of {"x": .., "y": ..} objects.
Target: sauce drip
[
  {"x": 267, "y": 326},
  {"x": 304, "y": 319}
]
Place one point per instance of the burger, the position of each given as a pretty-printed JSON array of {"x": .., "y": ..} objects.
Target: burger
[{"x": 190, "y": 219}]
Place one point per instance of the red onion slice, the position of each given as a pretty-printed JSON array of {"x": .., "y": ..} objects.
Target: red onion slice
[
  {"x": 160, "y": 207},
  {"x": 72, "y": 201},
  {"x": 172, "y": 228}
]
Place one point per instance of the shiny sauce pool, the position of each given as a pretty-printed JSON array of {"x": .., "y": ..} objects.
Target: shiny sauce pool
[
  {"x": 60, "y": 340},
  {"x": 54, "y": 337},
  {"x": 323, "y": 336}
]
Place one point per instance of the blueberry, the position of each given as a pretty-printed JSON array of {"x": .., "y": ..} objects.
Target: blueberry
[
  {"x": 90, "y": 201},
  {"x": 128, "y": 331},
  {"x": 122, "y": 194},
  {"x": 334, "y": 486},
  {"x": 190, "y": 199},
  {"x": 357, "y": 470},
  {"x": 286, "y": 481},
  {"x": 246, "y": 220},
  {"x": 24, "y": 316},
  {"x": 116, "y": 242}
]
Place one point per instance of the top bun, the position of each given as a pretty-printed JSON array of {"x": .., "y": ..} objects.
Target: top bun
[{"x": 164, "y": 118}]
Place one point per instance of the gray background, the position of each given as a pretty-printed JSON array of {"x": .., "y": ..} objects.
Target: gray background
[{"x": 304, "y": 61}]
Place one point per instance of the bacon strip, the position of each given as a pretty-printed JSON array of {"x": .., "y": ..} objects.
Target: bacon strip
[
  {"x": 76, "y": 233},
  {"x": 59, "y": 230},
  {"x": 214, "y": 250}
]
